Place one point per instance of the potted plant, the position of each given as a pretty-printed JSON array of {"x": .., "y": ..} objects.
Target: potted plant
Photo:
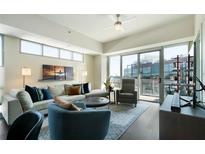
[{"x": 108, "y": 85}]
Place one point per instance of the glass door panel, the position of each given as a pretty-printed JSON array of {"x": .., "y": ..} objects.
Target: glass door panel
[
  {"x": 149, "y": 76},
  {"x": 176, "y": 72},
  {"x": 130, "y": 68}
]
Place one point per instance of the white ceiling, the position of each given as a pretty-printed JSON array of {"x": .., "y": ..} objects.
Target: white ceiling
[{"x": 101, "y": 26}]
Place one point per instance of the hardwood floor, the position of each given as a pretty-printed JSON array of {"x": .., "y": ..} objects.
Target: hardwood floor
[{"x": 146, "y": 127}]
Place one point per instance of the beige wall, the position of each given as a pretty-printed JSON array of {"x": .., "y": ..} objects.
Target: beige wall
[
  {"x": 173, "y": 31},
  {"x": 14, "y": 61},
  {"x": 100, "y": 70}
]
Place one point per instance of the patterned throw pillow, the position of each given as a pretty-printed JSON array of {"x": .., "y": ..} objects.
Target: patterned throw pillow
[{"x": 39, "y": 94}]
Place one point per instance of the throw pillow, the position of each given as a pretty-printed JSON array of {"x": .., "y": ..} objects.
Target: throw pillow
[
  {"x": 66, "y": 105},
  {"x": 86, "y": 88},
  {"x": 74, "y": 90},
  {"x": 25, "y": 100},
  {"x": 39, "y": 94},
  {"x": 57, "y": 90},
  {"x": 46, "y": 94},
  {"x": 32, "y": 92},
  {"x": 81, "y": 87},
  {"x": 67, "y": 88}
]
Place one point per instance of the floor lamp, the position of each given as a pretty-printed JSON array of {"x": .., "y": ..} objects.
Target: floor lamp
[{"x": 25, "y": 72}]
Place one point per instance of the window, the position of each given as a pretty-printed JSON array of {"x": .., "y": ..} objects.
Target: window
[
  {"x": 114, "y": 68},
  {"x": 77, "y": 56},
  {"x": 1, "y": 51},
  {"x": 31, "y": 47},
  {"x": 170, "y": 69},
  {"x": 129, "y": 66},
  {"x": 65, "y": 54},
  {"x": 114, "y": 71},
  {"x": 50, "y": 51}
]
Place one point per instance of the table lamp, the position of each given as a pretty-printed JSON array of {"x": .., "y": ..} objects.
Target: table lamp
[{"x": 25, "y": 72}]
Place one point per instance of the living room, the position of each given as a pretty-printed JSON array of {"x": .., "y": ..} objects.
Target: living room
[{"x": 124, "y": 76}]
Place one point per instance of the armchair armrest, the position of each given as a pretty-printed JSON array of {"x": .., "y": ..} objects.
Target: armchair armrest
[
  {"x": 135, "y": 94},
  {"x": 119, "y": 91}
]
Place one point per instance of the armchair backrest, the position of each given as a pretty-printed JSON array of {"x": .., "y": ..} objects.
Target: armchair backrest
[
  {"x": 77, "y": 125},
  {"x": 128, "y": 85},
  {"x": 26, "y": 127}
]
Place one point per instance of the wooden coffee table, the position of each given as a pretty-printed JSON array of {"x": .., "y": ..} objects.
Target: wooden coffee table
[{"x": 96, "y": 101}]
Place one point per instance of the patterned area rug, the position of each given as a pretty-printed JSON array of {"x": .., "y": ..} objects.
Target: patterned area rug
[{"x": 122, "y": 116}]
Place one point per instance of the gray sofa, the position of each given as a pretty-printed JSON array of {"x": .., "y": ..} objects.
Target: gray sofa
[{"x": 11, "y": 107}]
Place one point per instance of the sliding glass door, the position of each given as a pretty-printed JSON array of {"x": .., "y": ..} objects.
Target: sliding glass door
[
  {"x": 130, "y": 67},
  {"x": 154, "y": 71},
  {"x": 177, "y": 72},
  {"x": 149, "y": 76}
]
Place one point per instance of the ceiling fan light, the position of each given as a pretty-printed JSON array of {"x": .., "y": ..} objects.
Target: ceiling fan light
[{"x": 118, "y": 25}]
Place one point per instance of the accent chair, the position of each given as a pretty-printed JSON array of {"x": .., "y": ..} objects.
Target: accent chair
[
  {"x": 26, "y": 127},
  {"x": 127, "y": 94},
  {"x": 88, "y": 124}
]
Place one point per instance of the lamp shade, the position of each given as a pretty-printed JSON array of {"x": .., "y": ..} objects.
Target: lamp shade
[{"x": 26, "y": 71}]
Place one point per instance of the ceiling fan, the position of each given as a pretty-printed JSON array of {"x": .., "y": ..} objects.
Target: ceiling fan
[
  {"x": 120, "y": 20},
  {"x": 118, "y": 23}
]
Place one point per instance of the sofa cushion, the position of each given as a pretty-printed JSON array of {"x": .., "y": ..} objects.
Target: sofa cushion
[
  {"x": 126, "y": 95},
  {"x": 56, "y": 90},
  {"x": 32, "y": 92},
  {"x": 72, "y": 97},
  {"x": 97, "y": 93},
  {"x": 25, "y": 100},
  {"x": 46, "y": 94},
  {"x": 42, "y": 105}
]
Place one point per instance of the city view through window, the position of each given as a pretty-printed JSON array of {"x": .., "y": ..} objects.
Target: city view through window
[{"x": 146, "y": 72}]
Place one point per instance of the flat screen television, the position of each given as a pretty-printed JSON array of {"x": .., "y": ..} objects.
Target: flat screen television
[{"x": 59, "y": 73}]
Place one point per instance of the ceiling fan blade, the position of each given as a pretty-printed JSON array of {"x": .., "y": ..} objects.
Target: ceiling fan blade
[
  {"x": 112, "y": 17},
  {"x": 129, "y": 20}
]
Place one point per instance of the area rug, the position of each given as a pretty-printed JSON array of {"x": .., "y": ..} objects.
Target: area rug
[{"x": 122, "y": 117}]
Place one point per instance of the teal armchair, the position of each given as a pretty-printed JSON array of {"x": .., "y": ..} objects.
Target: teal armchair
[{"x": 88, "y": 124}]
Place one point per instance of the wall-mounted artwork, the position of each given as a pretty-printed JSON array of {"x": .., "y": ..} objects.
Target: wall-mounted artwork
[{"x": 52, "y": 72}]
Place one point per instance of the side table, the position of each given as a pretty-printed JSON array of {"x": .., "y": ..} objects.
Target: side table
[{"x": 114, "y": 93}]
